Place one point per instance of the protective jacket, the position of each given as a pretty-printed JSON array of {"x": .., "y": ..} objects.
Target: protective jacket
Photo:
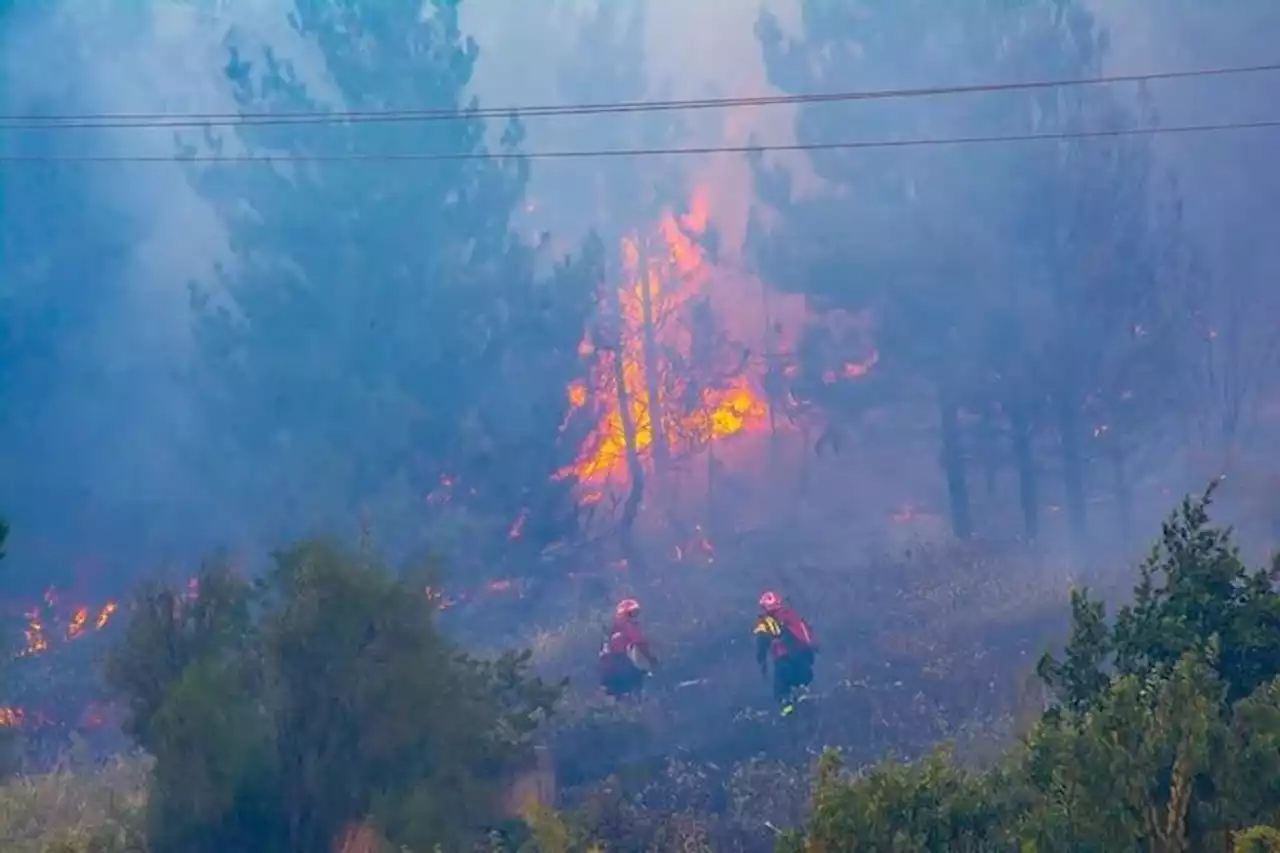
[
  {"x": 780, "y": 633},
  {"x": 627, "y": 642}
]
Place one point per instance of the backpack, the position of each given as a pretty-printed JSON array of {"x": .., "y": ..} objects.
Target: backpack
[{"x": 796, "y": 634}]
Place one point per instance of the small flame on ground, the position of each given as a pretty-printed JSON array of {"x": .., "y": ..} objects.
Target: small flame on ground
[
  {"x": 36, "y": 642},
  {"x": 698, "y": 545},
  {"x": 94, "y": 715},
  {"x": 852, "y": 369},
  {"x": 104, "y": 616},
  {"x": 905, "y": 513},
  {"x": 78, "y": 621},
  {"x": 445, "y": 601},
  {"x": 81, "y": 622}
]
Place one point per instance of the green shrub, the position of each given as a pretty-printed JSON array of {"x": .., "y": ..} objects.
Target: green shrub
[
  {"x": 1165, "y": 736},
  {"x": 282, "y": 712}
]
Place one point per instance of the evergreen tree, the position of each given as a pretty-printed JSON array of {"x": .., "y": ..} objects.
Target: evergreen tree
[
  {"x": 383, "y": 334},
  {"x": 983, "y": 264},
  {"x": 1194, "y": 587}
]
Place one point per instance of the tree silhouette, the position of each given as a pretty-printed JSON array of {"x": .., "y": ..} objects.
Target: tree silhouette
[
  {"x": 384, "y": 334},
  {"x": 1007, "y": 280}
]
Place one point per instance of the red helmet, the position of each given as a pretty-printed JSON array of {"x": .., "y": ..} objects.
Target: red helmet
[
  {"x": 627, "y": 607},
  {"x": 770, "y": 601}
]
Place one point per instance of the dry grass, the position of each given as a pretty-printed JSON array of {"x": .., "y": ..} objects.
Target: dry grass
[
  {"x": 919, "y": 604},
  {"x": 930, "y": 640},
  {"x": 94, "y": 810}
]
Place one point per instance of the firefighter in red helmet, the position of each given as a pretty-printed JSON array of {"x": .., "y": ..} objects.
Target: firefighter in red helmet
[
  {"x": 784, "y": 637},
  {"x": 626, "y": 658}
]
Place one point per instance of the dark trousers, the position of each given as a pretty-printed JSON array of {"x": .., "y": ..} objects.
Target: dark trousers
[
  {"x": 791, "y": 672},
  {"x": 622, "y": 678}
]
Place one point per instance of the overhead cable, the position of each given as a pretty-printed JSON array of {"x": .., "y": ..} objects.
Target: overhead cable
[
  {"x": 588, "y": 153},
  {"x": 163, "y": 120}
]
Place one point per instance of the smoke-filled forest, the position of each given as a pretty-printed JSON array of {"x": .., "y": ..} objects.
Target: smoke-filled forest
[{"x": 368, "y": 368}]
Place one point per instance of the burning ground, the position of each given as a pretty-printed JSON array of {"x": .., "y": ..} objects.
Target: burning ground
[{"x": 51, "y": 683}]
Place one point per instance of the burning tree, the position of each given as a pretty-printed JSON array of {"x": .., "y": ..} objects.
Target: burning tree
[
  {"x": 667, "y": 378},
  {"x": 611, "y": 65},
  {"x": 677, "y": 382}
]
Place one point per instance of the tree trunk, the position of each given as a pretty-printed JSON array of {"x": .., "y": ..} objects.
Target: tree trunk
[
  {"x": 954, "y": 468},
  {"x": 1024, "y": 461},
  {"x": 802, "y": 475},
  {"x": 657, "y": 432},
  {"x": 635, "y": 470},
  {"x": 661, "y": 451},
  {"x": 770, "y": 352},
  {"x": 1072, "y": 464},
  {"x": 711, "y": 491},
  {"x": 990, "y": 450}
]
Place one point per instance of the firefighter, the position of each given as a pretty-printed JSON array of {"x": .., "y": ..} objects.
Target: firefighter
[
  {"x": 626, "y": 658},
  {"x": 786, "y": 638}
]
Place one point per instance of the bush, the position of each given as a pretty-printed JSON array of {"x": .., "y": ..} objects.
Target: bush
[
  {"x": 1193, "y": 586},
  {"x": 928, "y": 805},
  {"x": 1165, "y": 735},
  {"x": 284, "y": 711}
]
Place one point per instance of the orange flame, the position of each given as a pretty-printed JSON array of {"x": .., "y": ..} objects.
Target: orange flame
[
  {"x": 852, "y": 369},
  {"x": 81, "y": 621},
  {"x": 656, "y": 301},
  {"x": 517, "y": 527},
  {"x": 578, "y": 394},
  {"x": 859, "y": 369},
  {"x": 36, "y": 642},
  {"x": 78, "y": 620},
  {"x": 104, "y": 616}
]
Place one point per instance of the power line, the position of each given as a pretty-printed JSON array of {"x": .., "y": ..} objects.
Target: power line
[
  {"x": 160, "y": 120},
  {"x": 857, "y": 145}
]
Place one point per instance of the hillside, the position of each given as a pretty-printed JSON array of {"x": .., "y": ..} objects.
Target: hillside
[{"x": 919, "y": 663}]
